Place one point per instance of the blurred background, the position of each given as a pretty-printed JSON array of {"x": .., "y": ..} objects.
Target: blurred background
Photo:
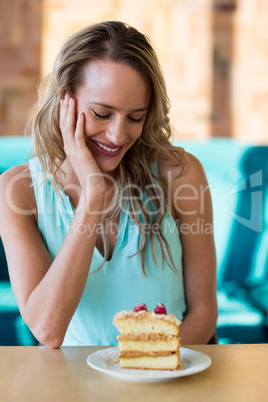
[{"x": 214, "y": 56}]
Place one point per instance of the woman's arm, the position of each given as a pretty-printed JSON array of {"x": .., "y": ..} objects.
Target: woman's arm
[
  {"x": 48, "y": 292},
  {"x": 192, "y": 208}
]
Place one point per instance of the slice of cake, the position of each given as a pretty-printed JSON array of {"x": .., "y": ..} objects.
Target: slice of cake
[{"x": 148, "y": 340}]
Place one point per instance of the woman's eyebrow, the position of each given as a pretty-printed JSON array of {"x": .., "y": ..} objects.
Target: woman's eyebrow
[{"x": 144, "y": 109}]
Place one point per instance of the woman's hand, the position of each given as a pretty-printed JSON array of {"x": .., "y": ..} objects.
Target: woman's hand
[{"x": 80, "y": 157}]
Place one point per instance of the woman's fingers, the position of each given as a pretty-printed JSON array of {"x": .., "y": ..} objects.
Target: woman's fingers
[
  {"x": 70, "y": 119},
  {"x": 64, "y": 105},
  {"x": 79, "y": 155},
  {"x": 79, "y": 132},
  {"x": 68, "y": 122},
  {"x": 72, "y": 130}
]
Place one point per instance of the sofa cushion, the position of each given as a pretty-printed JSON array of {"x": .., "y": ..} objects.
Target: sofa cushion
[
  {"x": 3, "y": 264},
  {"x": 13, "y": 329},
  {"x": 239, "y": 320}
]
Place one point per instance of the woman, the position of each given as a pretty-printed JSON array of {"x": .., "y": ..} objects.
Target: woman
[{"x": 101, "y": 218}]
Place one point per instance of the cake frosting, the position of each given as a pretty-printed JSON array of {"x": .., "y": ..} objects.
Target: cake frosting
[{"x": 149, "y": 314}]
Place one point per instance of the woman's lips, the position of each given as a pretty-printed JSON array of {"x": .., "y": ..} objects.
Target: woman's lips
[{"x": 105, "y": 149}]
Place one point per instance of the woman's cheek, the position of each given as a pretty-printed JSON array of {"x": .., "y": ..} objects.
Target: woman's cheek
[
  {"x": 89, "y": 126},
  {"x": 92, "y": 126}
]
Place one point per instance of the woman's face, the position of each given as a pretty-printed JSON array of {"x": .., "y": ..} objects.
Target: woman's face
[{"x": 115, "y": 100}]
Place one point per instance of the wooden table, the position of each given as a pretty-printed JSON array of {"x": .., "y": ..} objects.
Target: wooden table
[{"x": 33, "y": 374}]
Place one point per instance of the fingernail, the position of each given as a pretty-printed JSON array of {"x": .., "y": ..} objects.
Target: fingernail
[{"x": 80, "y": 116}]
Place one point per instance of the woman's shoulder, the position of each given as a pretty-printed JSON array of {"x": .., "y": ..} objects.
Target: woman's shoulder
[
  {"x": 186, "y": 185},
  {"x": 18, "y": 175},
  {"x": 16, "y": 187},
  {"x": 189, "y": 171}
]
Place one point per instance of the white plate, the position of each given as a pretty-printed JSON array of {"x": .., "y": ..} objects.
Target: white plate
[{"x": 106, "y": 361}]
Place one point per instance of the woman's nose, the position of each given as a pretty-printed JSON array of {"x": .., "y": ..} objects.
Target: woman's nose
[{"x": 116, "y": 131}]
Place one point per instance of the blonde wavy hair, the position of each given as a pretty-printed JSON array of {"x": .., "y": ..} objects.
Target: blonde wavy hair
[{"x": 120, "y": 43}]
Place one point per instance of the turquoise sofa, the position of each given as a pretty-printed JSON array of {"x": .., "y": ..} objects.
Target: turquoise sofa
[
  {"x": 238, "y": 177},
  {"x": 13, "y": 330}
]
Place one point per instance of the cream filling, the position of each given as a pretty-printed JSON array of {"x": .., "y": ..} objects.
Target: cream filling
[{"x": 106, "y": 148}]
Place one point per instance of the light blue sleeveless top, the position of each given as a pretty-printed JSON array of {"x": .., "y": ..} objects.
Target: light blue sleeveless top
[{"x": 120, "y": 283}]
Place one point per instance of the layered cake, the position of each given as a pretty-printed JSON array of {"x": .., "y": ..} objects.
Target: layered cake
[{"x": 148, "y": 339}]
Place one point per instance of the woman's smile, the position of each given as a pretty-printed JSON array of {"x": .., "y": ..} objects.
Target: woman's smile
[{"x": 107, "y": 150}]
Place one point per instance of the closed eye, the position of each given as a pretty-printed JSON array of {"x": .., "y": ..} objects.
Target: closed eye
[
  {"x": 101, "y": 116},
  {"x": 107, "y": 116},
  {"x": 135, "y": 120}
]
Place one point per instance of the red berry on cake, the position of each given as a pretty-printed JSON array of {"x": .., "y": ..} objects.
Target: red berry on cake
[
  {"x": 160, "y": 309},
  {"x": 140, "y": 307}
]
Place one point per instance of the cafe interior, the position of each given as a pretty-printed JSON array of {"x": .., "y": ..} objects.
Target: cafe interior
[{"x": 214, "y": 58}]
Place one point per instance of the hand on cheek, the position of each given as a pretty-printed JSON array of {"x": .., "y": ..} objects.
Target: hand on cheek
[{"x": 76, "y": 150}]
